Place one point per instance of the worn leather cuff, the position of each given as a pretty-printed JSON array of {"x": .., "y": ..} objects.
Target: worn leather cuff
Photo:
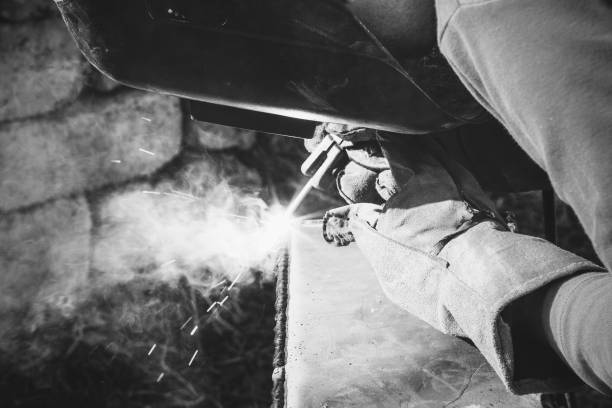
[{"x": 489, "y": 269}]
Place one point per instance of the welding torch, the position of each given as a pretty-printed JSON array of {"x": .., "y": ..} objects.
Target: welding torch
[{"x": 321, "y": 166}]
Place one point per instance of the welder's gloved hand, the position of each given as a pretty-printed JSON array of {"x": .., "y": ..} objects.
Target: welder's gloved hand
[
  {"x": 345, "y": 132},
  {"x": 441, "y": 252},
  {"x": 336, "y": 222},
  {"x": 357, "y": 182},
  {"x": 426, "y": 204}
]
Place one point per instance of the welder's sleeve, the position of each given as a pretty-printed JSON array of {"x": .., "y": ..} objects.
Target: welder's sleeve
[
  {"x": 467, "y": 289},
  {"x": 578, "y": 324},
  {"x": 543, "y": 68}
]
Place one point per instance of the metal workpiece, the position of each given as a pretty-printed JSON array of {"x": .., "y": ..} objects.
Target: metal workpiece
[{"x": 347, "y": 345}]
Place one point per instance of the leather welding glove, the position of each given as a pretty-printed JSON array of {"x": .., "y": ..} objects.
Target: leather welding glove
[
  {"x": 357, "y": 181},
  {"x": 441, "y": 252}
]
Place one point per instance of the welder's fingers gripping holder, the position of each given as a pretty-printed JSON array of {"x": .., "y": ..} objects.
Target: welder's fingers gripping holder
[
  {"x": 327, "y": 158},
  {"x": 345, "y": 157},
  {"x": 336, "y": 228}
]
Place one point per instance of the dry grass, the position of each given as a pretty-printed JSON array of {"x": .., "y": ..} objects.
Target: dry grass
[{"x": 99, "y": 357}]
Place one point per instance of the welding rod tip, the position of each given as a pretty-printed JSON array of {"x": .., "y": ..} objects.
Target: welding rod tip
[
  {"x": 297, "y": 200},
  {"x": 193, "y": 357},
  {"x": 151, "y": 349},
  {"x": 185, "y": 324}
]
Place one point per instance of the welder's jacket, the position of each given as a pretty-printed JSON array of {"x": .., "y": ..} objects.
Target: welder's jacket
[{"x": 543, "y": 68}]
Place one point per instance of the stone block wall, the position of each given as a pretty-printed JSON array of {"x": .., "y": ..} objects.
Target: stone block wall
[{"x": 73, "y": 142}]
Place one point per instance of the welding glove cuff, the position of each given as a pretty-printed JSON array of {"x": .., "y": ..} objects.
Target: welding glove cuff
[
  {"x": 442, "y": 252},
  {"x": 463, "y": 290}
]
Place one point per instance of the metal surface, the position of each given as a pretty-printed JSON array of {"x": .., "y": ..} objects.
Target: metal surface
[
  {"x": 281, "y": 271},
  {"x": 348, "y": 346}
]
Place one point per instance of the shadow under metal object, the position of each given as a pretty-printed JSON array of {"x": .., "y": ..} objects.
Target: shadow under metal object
[
  {"x": 283, "y": 66},
  {"x": 309, "y": 60}
]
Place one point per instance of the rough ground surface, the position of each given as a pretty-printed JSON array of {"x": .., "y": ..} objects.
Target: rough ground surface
[{"x": 100, "y": 357}]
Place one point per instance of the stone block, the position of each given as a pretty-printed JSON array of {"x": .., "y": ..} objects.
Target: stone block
[
  {"x": 44, "y": 255},
  {"x": 23, "y": 10},
  {"x": 210, "y": 136},
  {"x": 40, "y": 68},
  {"x": 96, "y": 142}
]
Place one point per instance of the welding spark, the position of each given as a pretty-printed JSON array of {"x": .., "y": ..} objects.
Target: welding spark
[
  {"x": 151, "y": 350},
  {"x": 186, "y": 323},
  {"x": 180, "y": 196},
  {"x": 276, "y": 224},
  {"x": 217, "y": 304},
  {"x": 175, "y": 194},
  {"x": 219, "y": 284},
  {"x": 159, "y": 378},
  {"x": 146, "y": 119},
  {"x": 234, "y": 215},
  {"x": 184, "y": 194},
  {"x": 146, "y": 151},
  {"x": 194, "y": 330},
  {"x": 195, "y": 353},
  {"x": 234, "y": 281},
  {"x": 170, "y": 262},
  {"x": 116, "y": 161}
]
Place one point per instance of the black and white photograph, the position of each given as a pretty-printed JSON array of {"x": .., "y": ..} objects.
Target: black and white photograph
[{"x": 305, "y": 203}]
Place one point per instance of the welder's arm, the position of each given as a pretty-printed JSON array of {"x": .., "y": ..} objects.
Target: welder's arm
[
  {"x": 441, "y": 252},
  {"x": 544, "y": 69},
  {"x": 577, "y": 316},
  {"x": 570, "y": 318}
]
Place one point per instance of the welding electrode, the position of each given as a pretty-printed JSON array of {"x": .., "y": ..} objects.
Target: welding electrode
[{"x": 328, "y": 156}]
